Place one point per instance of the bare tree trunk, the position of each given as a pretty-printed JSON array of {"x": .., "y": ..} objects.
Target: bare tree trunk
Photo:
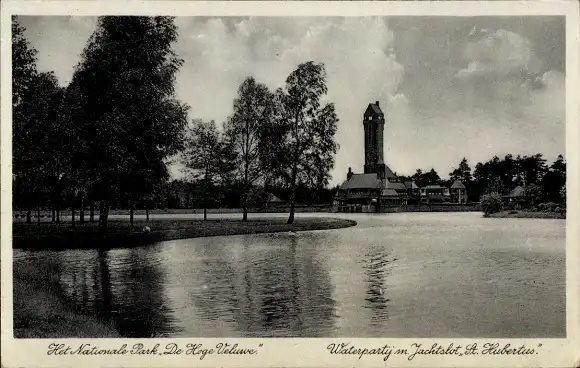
[
  {"x": 38, "y": 216},
  {"x": 205, "y": 198},
  {"x": 29, "y": 216},
  {"x": 147, "y": 214},
  {"x": 73, "y": 222},
  {"x": 53, "y": 213},
  {"x": 245, "y": 215},
  {"x": 92, "y": 212},
  {"x": 82, "y": 210},
  {"x": 292, "y": 207},
  {"x": 58, "y": 210},
  {"x": 131, "y": 210},
  {"x": 293, "y": 192},
  {"x": 103, "y": 215}
]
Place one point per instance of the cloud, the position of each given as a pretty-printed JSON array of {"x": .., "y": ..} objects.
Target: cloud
[
  {"x": 446, "y": 95},
  {"x": 360, "y": 63},
  {"x": 59, "y": 41},
  {"x": 499, "y": 55}
]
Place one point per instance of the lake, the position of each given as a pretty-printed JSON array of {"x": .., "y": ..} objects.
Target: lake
[{"x": 393, "y": 275}]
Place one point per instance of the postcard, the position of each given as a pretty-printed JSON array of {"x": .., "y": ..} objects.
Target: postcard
[{"x": 299, "y": 184}]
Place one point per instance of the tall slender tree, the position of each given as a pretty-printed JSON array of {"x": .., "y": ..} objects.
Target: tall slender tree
[
  {"x": 246, "y": 130},
  {"x": 310, "y": 143},
  {"x": 203, "y": 156}
]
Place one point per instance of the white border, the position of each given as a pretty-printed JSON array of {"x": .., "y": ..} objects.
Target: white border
[{"x": 301, "y": 352}]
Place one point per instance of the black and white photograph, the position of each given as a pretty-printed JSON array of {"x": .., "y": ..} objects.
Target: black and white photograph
[{"x": 281, "y": 176}]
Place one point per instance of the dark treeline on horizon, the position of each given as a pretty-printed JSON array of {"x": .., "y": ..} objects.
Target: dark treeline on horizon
[
  {"x": 104, "y": 140},
  {"x": 543, "y": 182}
]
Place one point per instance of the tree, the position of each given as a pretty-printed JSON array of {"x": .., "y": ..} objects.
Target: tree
[
  {"x": 491, "y": 203},
  {"x": 553, "y": 180},
  {"x": 203, "y": 156},
  {"x": 23, "y": 76},
  {"x": 246, "y": 130},
  {"x": 23, "y": 66},
  {"x": 563, "y": 194},
  {"x": 432, "y": 177},
  {"x": 131, "y": 119},
  {"x": 534, "y": 191},
  {"x": 462, "y": 172},
  {"x": 309, "y": 145}
]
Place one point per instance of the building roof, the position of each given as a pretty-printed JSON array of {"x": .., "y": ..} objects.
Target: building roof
[
  {"x": 395, "y": 185},
  {"x": 517, "y": 192},
  {"x": 362, "y": 181},
  {"x": 271, "y": 198},
  {"x": 389, "y": 173},
  {"x": 457, "y": 184},
  {"x": 375, "y": 108},
  {"x": 388, "y": 192},
  {"x": 411, "y": 185},
  {"x": 435, "y": 186}
]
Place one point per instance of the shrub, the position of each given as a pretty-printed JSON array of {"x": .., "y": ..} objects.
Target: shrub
[{"x": 491, "y": 203}]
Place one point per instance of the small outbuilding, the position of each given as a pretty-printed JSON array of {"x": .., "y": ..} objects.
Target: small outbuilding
[{"x": 458, "y": 192}]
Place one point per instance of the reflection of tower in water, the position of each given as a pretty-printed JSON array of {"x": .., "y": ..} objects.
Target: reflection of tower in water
[{"x": 377, "y": 266}]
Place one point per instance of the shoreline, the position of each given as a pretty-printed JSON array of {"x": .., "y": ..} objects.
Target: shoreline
[
  {"x": 527, "y": 214},
  {"x": 119, "y": 234}
]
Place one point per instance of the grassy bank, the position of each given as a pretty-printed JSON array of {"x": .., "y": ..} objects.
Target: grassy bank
[
  {"x": 527, "y": 214},
  {"x": 180, "y": 211},
  {"x": 120, "y": 234},
  {"x": 41, "y": 311}
]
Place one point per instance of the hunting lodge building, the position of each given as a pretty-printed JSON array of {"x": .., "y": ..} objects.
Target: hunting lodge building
[{"x": 378, "y": 188}]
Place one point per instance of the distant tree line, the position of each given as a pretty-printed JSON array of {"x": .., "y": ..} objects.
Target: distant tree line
[
  {"x": 542, "y": 183},
  {"x": 105, "y": 140}
]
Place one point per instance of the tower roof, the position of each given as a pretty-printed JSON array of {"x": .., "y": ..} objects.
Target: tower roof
[
  {"x": 374, "y": 108},
  {"x": 457, "y": 184}
]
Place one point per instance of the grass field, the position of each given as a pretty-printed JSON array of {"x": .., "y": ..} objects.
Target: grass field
[
  {"x": 50, "y": 235},
  {"x": 527, "y": 214}
]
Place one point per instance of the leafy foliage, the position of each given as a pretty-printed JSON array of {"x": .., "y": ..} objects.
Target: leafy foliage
[
  {"x": 130, "y": 119},
  {"x": 491, "y": 203},
  {"x": 308, "y": 148},
  {"x": 205, "y": 156},
  {"x": 247, "y": 131}
]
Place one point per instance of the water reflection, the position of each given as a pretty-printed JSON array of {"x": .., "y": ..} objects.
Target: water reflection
[
  {"x": 265, "y": 289},
  {"x": 377, "y": 265},
  {"x": 453, "y": 275},
  {"x": 129, "y": 297}
]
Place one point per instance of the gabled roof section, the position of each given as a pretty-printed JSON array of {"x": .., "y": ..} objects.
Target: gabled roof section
[
  {"x": 395, "y": 185},
  {"x": 411, "y": 185},
  {"x": 271, "y": 198},
  {"x": 389, "y": 174},
  {"x": 362, "y": 181},
  {"x": 517, "y": 192},
  {"x": 388, "y": 192},
  {"x": 374, "y": 108},
  {"x": 457, "y": 184}
]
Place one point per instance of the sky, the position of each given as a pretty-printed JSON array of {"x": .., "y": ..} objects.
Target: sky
[{"x": 450, "y": 87}]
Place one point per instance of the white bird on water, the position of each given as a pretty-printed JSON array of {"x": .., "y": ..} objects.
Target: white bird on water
[
  {"x": 292, "y": 233},
  {"x": 146, "y": 229}
]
